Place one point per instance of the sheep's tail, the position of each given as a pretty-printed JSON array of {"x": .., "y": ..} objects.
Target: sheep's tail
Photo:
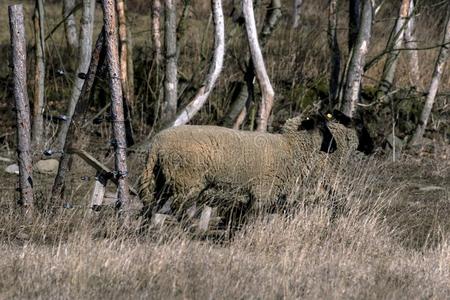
[{"x": 147, "y": 184}]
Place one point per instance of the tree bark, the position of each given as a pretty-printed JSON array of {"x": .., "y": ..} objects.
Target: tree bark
[
  {"x": 238, "y": 109},
  {"x": 260, "y": 69},
  {"x": 335, "y": 53},
  {"x": 87, "y": 25},
  {"x": 296, "y": 13},
  {"x": 70, "y": 26},
  {"x": 156, "y": 30},
  {"x": 39, "y": 76},
  {"x": 395, "y": 42},
  {"x": 169, "y": 107},
  {"x": 410, "y": 43},
  {"x": 123, "y": 44},
  {"x": 117, "y": 114},
  {"x": 78, "y": 119},
  {"x": 434, "y": 85},
  {"x": 354, "y": 20},
  {"x": 357, "y": 60},
  {"x": 19, "y": 60},
  {"x": 214, "y": 70}
]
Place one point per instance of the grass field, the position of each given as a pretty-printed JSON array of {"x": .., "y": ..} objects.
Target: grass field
[{"x": 391, "y": 240}]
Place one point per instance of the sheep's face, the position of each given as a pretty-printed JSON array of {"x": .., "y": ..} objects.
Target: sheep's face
[
  {"x": 365, "y": 142},
  {"x": 318, "y": 122}
]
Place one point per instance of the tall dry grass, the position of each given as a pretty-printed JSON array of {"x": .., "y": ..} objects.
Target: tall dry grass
[{"x": 299, "y": 254}]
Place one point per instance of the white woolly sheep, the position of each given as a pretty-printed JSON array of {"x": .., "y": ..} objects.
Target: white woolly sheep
[{"x": 184, "y": 161}]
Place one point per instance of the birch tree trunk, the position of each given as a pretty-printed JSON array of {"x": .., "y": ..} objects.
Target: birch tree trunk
[
  {"x": 123, "y": 44},
  {"x": 156, "y": 30},
  {"x": 354, "y": 20},
  {"x": 19, "y": 63},
  {"x": 410, "y": 43},
  {"x": 87, "y": 25},
  {"x": 260, "y": 69},
  {"x": 238, "y": 109},
  {"x": 335, "y": 53},
  {"x": 39, "y": 76},
  {"x": 296, "y": 13},
  {"x": 117, "y": 114},
  {"x": 214, "y": 70},
  {"x": 70, "y": 26},
  {"x": 434, "y": 85},
  {"x": 395, "y": 42},
  {"x": 169, "y": 107},
  {"x": 357, "y": 60},
  {"x": 78, "y": 119}
]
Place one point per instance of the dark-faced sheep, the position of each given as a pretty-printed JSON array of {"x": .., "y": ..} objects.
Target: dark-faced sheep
[{"x": 185, "y": 161}]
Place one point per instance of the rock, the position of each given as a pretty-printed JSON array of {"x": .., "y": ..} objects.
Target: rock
[
  {"x": 12, "y": 169},
  {"x": 392, "y": 139},
  {"x": 47, "y": 166}
]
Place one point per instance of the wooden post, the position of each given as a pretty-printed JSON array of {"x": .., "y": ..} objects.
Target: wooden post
[
  {"x": 260, "y": 68},
  {"x": 99, "y": 191},
  {"x": 215, "y": 69},
  {"x": 117, "y": 113},
  {"x": 78, "y": 119},
  {"x": 19, "y": 52}
]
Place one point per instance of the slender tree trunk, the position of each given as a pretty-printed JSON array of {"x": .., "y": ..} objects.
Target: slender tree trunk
[
  {"x": 117, "y": 113},
  {"x": 260, "y": 68},
  {"x": 19, "y": 60},
  {"x": 238, "y": 109},
  {"x": 70, "y": 26},
  {"x": 87, "y": 25},
  {"x": 395, "y": 42},
  {"x": 130, "y": 67},
  {"x": 156, "y": 31},
  {"x": 354, "y": 20},
  {"x": 169, "y": 107},
  {"x": 39, "y": 76},
  {"x": 78, "y": 119},
  {"x": 296, "y": 13},
  {"x": 434, "y": 85},
  {"x": 335, "y": 53},
  {"x": 214, "y": 71},
  {"x": 357, "y": 60},
  {"x": 410, "y": 43},
  {"x": 123, "y": 43}
]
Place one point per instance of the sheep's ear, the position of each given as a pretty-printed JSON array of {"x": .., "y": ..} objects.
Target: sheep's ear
[
  {"x": 308, "y": 124},
  {"x": 341, "y": 118},
  {"x": 328, "y": 142}
]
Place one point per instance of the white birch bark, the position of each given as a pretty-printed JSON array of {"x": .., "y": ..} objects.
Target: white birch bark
[
  {"x": 356, "y": 67},
  {"x": 296, "y": 12},
  {"x": 395, "y": 42},
  {"x": 85, "y": 49},
  {"x": 214, "y": 70},
  {"x": 70, "y": 26},
  {"x": 410, "y": 43},
  {"x": 434, "y": 85},
  {"x": 260, "y": 68}
]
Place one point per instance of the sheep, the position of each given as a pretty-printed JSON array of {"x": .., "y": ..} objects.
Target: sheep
[{"x": 185, "y": 161}]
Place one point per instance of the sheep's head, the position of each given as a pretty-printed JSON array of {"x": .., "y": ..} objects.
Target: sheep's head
[
  {"x": 319, "y": 122},
  {"x": 365, "y": 142}
]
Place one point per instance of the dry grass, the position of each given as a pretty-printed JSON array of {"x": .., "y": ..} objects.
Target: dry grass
[{"x": 300, "y": 254}]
